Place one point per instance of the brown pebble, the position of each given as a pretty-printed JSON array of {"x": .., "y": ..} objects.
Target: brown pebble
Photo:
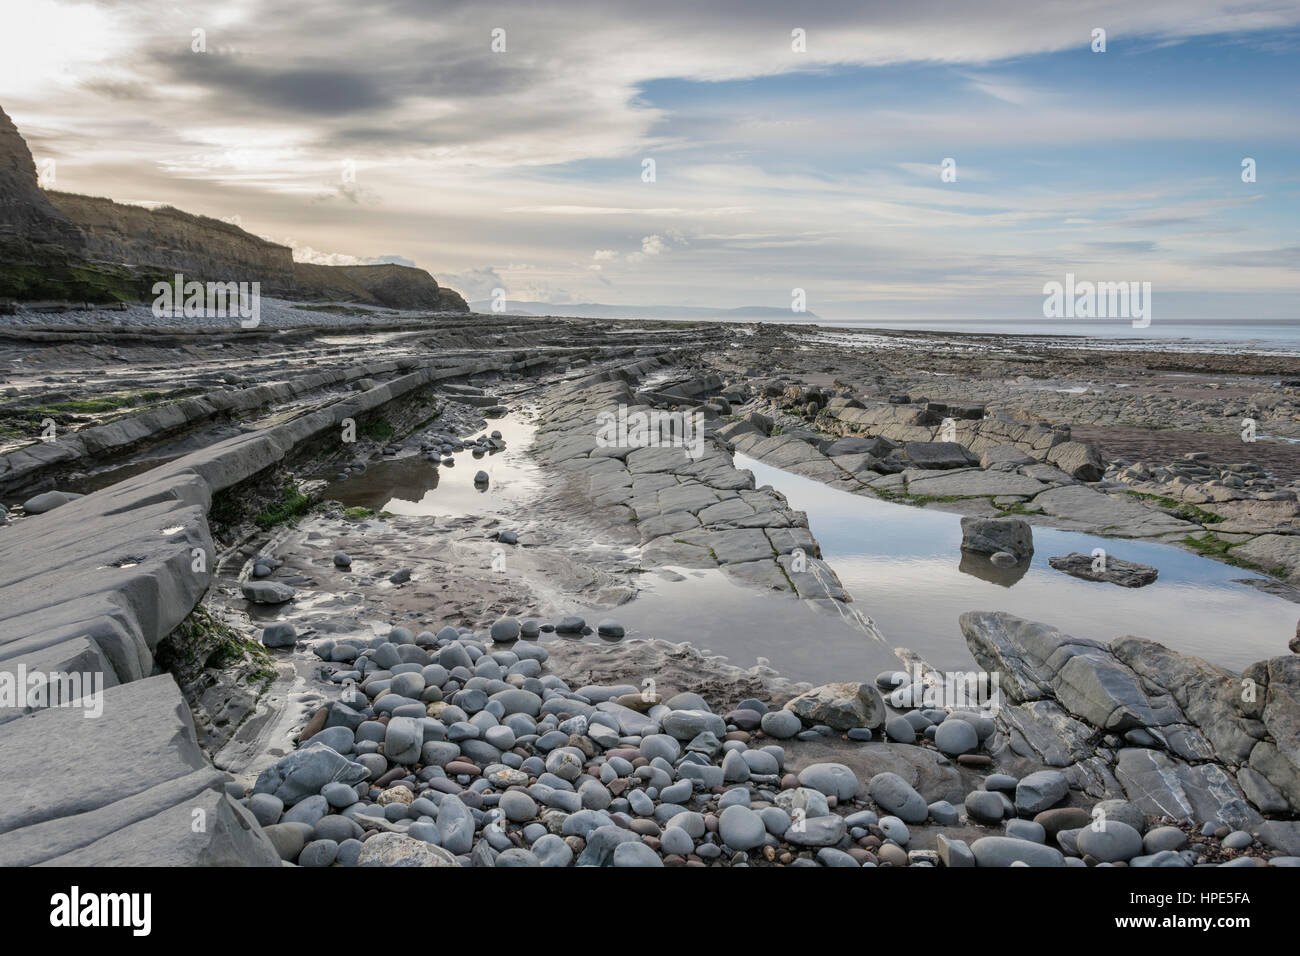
[
  {"x": 789, "y": 782},
  {"x": 672, "y": 859},
  {"x": 461, "y": 766},
  {"x": 892, "y": 854},
  {"x": 396, "y": 773},
  {"x": 975, "y": 760},
  {"x": 315, "y": 725},
  {"x": 1062, "y": 818},
  {"x": 638, "y": 702}
]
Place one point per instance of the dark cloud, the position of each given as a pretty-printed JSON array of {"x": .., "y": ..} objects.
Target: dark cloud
[{"x": 317, "y": 91}]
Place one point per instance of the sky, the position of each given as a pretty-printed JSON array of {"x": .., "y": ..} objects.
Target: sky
[{"x": 794, "y": 147}]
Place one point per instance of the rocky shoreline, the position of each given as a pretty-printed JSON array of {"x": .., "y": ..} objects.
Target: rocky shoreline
[{"x": 414, "y": 707}]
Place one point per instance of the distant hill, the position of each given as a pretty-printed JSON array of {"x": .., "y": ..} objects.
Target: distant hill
[{"x": 596, "y": 310}]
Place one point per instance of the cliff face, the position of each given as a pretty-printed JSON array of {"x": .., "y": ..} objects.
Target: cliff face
[
  {"x": 398, "y": 287},
  {"x": 168, "y": 240},
  {"x": 62, "y": 246},
  {"x": 31, "y": 229}
]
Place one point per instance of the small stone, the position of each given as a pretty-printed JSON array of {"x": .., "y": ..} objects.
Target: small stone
[
  {"x": 781, "y": 724},
  {"x": 280, "y": 634},
  {"x": 1237, "y": 840}
]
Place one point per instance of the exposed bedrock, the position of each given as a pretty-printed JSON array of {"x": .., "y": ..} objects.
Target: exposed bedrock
[{"x": 1175, "y": 735}]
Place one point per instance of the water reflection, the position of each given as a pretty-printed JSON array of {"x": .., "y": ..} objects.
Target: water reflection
[
  {"x": 904, "y": 567},
  {"x": 414, "y": 486}
]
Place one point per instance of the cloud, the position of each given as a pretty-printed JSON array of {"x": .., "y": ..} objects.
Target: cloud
[
  {"x": 653, "y": 246},
  {"x": 308, "y": 254},
  {"x": 781, "y": 169},
  {"x": 476, "y": 284}
]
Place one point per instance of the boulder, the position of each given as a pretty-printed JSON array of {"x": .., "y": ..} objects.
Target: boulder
[
  {"x": 396, "y": 849},
  {"x": 992, "y": 535},
  {"x": 304, "y": 772},
  {"x": 841, "y": 706},
  {"x": 1078, "y": 460}
]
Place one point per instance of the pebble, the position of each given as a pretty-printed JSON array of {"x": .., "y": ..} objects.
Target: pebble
[
  {"x": 741, "y": 828},
  {"x": 896, "y": 795},
  {"x": 1237, "y": 840},
  {"x": 1116, "y": 842},
  {"x": 781, "y": 724},
  {"x": 956, "y": 737}
]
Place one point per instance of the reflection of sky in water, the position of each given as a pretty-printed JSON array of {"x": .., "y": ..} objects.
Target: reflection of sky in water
[
  {"x": 713, "y": 611},
  {"x": 413, "y": 486},
  {"x": 900, "y": 563}
]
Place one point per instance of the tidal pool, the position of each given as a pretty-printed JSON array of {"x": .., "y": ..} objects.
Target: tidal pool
[
  {"x": 905, "y": 569},
  {"x": 413, "y": 486}
]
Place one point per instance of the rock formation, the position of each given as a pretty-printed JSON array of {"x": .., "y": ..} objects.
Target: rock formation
[
  {"x": 28, "y": 221},
  {"x": 63, "y": 246},
  {"x": 398, "y": 287},
  {"x": 167, "y": 240}
]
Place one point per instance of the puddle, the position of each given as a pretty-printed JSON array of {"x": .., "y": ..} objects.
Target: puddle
[
  {"x": 413, "y": 486},
  {"x": 716, "y": 614},
  {"x": 903, "y": 567}
]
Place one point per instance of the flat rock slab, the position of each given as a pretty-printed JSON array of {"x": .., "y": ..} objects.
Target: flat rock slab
[
  {"x": 121, "y": 788},
  {"x": 1274, "y": 552},
  {"x": 975, "y": 483},
  {"x": 1081, "y": 508},
  {"x": 1107, "y": 569}
]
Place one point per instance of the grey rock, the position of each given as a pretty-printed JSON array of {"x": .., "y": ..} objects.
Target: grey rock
[
  {"x": 1040, "y": 791},
  {"x": 1004, "y": 851},
  {"x": 840, "y": 706},
  {"x": 741, "y": 828},
  {"x": 896, "y": 795},
  {"x": 1112, "y": 843},
  {"x": 395, "y": 849},
  {"x": 991, "y": 535},
  {"x": 304, "y": 772}
]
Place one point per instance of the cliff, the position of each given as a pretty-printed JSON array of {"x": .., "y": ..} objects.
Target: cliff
[
  {"x": 28, "y": 221},
  {"x": 67, "y": 247},
  {"x": 398, "y": 287},
  {"x": 168, "y": 240}
]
